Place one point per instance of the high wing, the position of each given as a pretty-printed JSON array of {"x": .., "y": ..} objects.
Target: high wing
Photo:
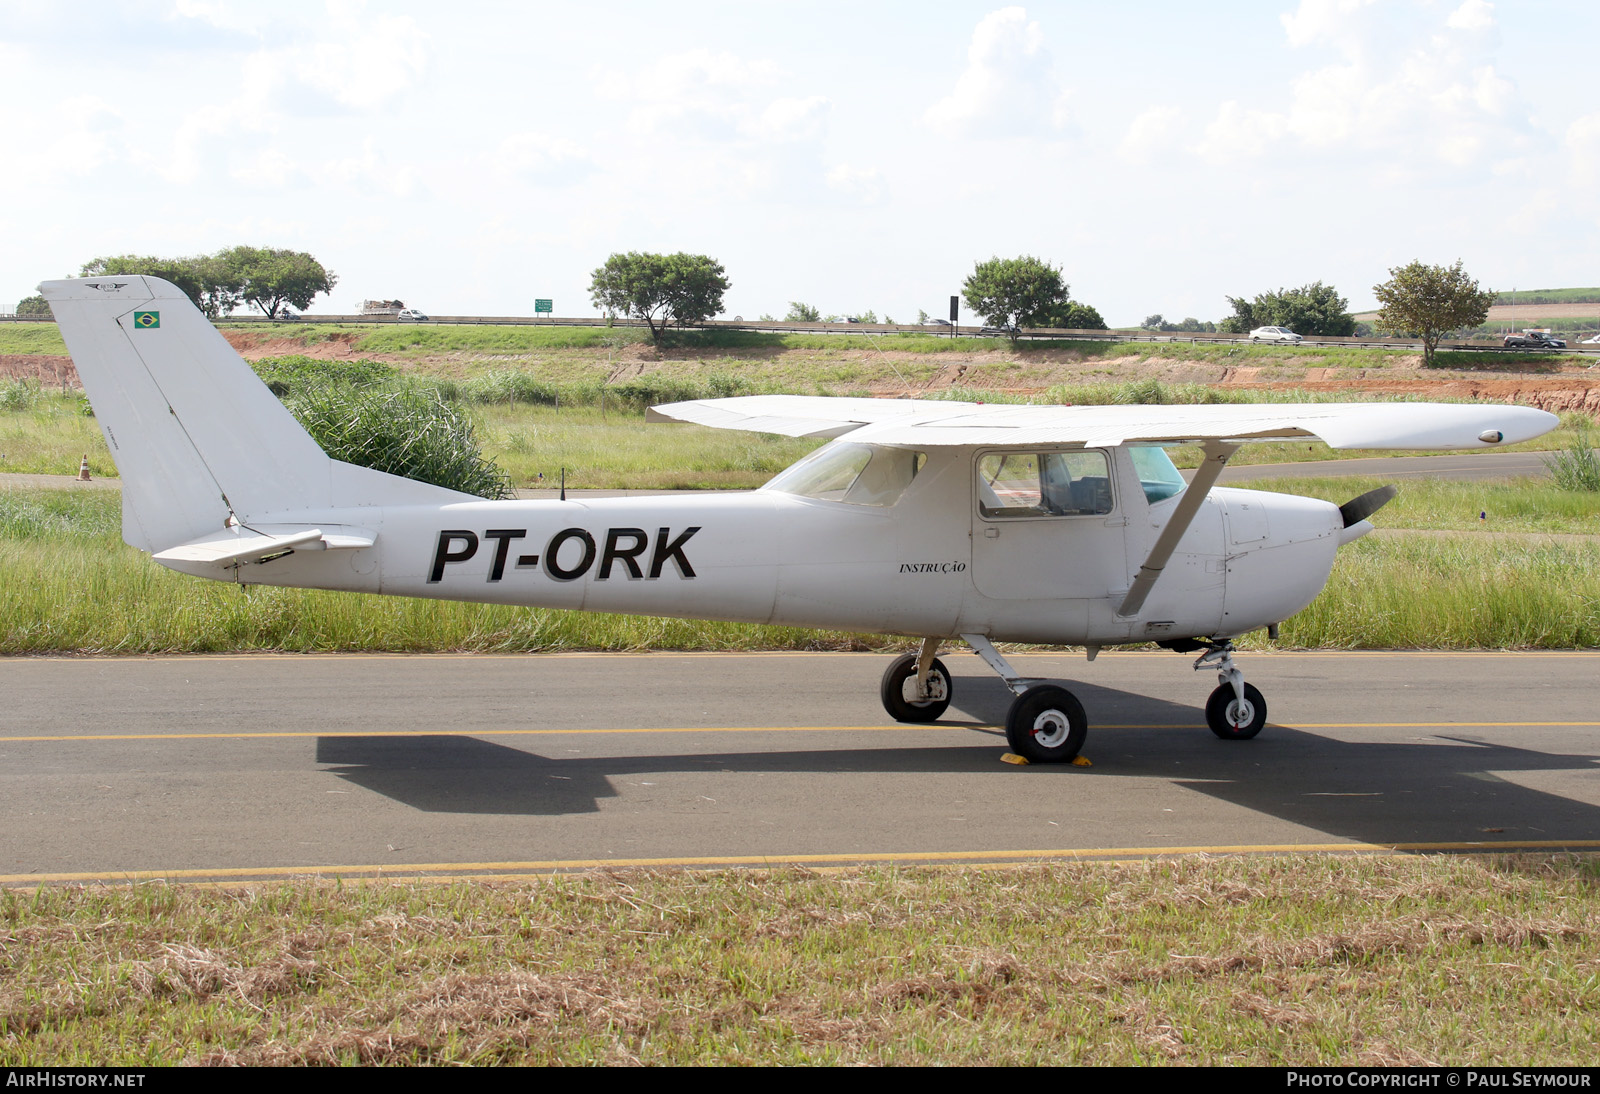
[{"x": 934, "y": 422}]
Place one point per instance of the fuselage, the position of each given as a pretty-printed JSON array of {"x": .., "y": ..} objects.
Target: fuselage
[{"x": 1028, "y": 545}]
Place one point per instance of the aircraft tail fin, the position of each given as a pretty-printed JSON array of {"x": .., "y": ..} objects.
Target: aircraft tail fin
[{"x": 197, "y": 437}]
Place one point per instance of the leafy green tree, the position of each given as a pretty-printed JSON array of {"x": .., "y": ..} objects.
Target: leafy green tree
[
  {"x": 33, "y": 305},
  {"x": 1314, "y": 309},
  {"x": 1074, "y": 316},
  {"x": 660, "y": 289},
  {"x": 186, "y": 273},
  {"x": 267, "y": 278},
  {"x": 1013, "y": 293},
  {"x": 802, "y": 313},
  {"x": 1154, "y": 322},
  {"x": 271, "y": 279},
  {"x": 1243, "y": 319},
  {"x": 1429, "y": 302}
]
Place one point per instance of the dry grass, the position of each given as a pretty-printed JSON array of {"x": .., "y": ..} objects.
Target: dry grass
[{"x": 1294, "y": 960}]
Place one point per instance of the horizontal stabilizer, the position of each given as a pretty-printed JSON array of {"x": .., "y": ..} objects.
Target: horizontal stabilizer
[{"x": 238, "y": 545}]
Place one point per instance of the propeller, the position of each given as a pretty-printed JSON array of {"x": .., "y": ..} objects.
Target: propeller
[{"x": 1359, "y": 509}]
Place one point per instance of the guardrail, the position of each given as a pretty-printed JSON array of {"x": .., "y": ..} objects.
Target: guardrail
[{"x": 784, "y": 327}]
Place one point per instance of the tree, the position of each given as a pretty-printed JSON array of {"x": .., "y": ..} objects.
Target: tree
[
  {"x": 186, "y": 273},
  {"x": 802, "y": 313},
  {"x": 1428, "y": 302},
  {"x": 1074, "y": 316},
  {"x": 270, "y": 279},
  {"x": 659, "y": 289},
  {"x": 1314, "y": 309},
  {"x": 33, "y": 305},
  {"x": 1012, "y": 293}
]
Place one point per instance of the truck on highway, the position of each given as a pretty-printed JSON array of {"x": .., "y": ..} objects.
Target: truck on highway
[{"x": 1534, "y": 339}]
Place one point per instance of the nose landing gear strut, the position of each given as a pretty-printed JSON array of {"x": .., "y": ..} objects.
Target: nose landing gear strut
[{"x": 1235, "y": 711}]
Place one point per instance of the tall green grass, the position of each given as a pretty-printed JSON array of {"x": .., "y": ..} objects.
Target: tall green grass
[{"x": 1576, "y": 467}]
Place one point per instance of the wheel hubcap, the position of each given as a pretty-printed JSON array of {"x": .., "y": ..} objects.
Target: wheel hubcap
[
  {"x": 1241, "y": 714},
  {"x": 937, "y": 690},
  {"x": 1051, "y": 728}
]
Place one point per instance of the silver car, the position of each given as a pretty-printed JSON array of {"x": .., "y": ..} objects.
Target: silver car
[{"x": 1274, "y": 334}]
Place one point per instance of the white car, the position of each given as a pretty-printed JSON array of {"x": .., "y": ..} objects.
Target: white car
[{"x": 1274, "y": 334}]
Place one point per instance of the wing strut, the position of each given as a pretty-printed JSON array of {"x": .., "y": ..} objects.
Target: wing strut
[{"x": 1205, "y": 477}]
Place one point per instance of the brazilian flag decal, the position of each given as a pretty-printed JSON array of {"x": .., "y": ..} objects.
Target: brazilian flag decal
[{"x": 147, "y": 320}]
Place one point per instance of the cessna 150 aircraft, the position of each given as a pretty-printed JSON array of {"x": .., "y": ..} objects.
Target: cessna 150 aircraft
[{"x": 937, "y": 520}]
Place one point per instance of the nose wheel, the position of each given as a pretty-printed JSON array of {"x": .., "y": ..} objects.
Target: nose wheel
[
  {"x": 1235, "y": 711},
  {"x": 1233, "y": 718}
]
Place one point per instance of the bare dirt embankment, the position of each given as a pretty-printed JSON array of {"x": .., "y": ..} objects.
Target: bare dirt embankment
[{"x": 1546, "y": 384}]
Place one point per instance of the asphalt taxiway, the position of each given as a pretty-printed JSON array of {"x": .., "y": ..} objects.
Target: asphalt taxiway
[{"x": 236, "y": 768}]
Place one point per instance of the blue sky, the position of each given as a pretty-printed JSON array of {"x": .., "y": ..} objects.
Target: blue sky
[{"x": 470, "y": 157}]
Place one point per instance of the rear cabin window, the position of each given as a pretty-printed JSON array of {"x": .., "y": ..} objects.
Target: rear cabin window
[
  {"x": 856, "y": 474},
  {"x": 1043, "y": 484}
]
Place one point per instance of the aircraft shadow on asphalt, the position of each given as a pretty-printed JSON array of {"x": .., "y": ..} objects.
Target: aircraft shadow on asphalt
[{"x": 1425, "y": 788}]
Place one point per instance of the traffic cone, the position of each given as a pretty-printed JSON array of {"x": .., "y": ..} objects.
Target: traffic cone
[{"x": 83, "y": 469}]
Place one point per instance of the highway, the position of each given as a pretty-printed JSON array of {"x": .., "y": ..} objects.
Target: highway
[{"x": 253, "y": 767}]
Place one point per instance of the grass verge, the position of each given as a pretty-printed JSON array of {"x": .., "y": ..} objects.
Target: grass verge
[{"x": 1267, "y": 961}]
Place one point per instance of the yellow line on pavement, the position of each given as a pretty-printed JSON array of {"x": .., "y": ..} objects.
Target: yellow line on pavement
[
  {"x": 243, "y": 735},
  {"x": 492, "y": 870}
]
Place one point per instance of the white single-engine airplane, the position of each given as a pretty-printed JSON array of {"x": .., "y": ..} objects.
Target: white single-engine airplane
[{"x": 937, "y": 520}]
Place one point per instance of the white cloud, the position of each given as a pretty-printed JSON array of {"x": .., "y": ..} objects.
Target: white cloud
[
  {"x": 1324, "y": 20},
  {"x": 365, "y": 58},
  {"x": 792, "y": 119},
  {"x": 863, "y": 184},
  {"x": 695, "y": 93},
  {"x": 540, "y": 157},
  {"x": 1441, "y": 98},
  {"x": 1151, "y": 133},
  {"x": 1583, "y": 146},
  {"x": 1472, "y": 15},
  {"x": 1008, "y": 87}
]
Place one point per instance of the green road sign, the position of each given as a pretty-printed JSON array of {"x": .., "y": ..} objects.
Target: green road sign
[{"x": 543, "y": 307}]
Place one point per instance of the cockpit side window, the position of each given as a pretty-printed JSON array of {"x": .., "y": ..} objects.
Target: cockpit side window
[
  {"x": 856, "y": 474},
  {"x": 1076, "y": 483}
]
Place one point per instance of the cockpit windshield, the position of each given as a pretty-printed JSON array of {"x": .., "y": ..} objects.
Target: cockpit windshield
[
  {"x": 1157, "y": 475},
  {"x": 857, "y": 474}
]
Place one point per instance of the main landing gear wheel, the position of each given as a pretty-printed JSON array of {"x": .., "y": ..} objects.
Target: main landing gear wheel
[
  {"x": 1232, "y": 720},
  {"x": 899, "y": 691},
  {"x": 1046, "y": 724}
]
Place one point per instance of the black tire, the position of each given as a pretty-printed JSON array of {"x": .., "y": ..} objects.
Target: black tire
[
  {"x": 1222, "y": 706},
  {"x": 899, "y": 687},
  {"x": 1046, "y": 725}
]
